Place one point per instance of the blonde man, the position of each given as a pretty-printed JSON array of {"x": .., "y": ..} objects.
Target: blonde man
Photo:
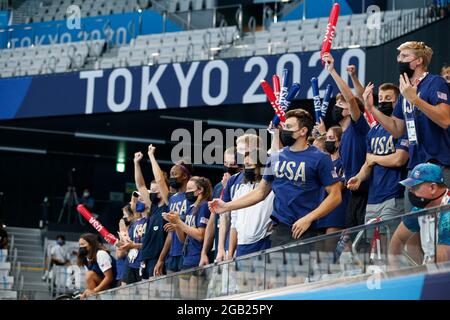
[{"x": 422, "y": 110}]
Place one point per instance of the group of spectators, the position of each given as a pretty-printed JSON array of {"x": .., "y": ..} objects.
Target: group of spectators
[{"x": 386, "y": 155}]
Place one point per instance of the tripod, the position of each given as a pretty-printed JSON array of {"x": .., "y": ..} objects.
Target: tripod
[{"x": 70, "y": 202}]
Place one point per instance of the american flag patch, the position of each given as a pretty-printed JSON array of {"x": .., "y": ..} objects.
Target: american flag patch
[
  {"x": 204, "y": 220},
  {"x": 334, "y": 174},
  {"x": 404, "y": 142},
  {"x": 442, "y": 95}
]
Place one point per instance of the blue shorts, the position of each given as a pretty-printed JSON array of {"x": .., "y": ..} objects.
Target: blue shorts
[
  {"x": 243, "y": 249},
  {"x": 174, "y": 263}
]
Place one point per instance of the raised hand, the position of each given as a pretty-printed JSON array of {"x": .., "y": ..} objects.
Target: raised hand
[
  {"x": 351, "y": 70},
  {"x": 329, "y": 61},
  {"x": 151, "y": 150},
  {"x": 138, "y": 157},
  {"x": 368, "y": 96},
  {"x": 408, "y": 90}
]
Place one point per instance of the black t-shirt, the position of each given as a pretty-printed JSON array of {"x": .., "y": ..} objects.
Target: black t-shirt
[{"x": 155, "y": 236}]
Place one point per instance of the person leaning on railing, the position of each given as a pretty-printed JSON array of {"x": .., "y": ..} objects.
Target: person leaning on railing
[{"x": 426, "y": 189}]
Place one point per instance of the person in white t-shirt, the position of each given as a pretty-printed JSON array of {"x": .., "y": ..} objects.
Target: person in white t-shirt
[
  {"x": 58, "y": 253},
  {"x": 250, "y": 226},
  {"x": 101, "y": 265}
]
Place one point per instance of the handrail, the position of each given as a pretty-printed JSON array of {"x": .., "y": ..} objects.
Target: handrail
[{"x": 282, "y": 248}]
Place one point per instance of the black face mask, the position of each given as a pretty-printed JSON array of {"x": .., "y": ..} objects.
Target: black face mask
[
  {"x": 174, "y": 183},
  {"x": 337, "y": 114},
  {"x": 330, "y": 146},
  {"x": 127, "y": 222},
  {"x": 154, "y": 197},
  {"x": 83, "y": 251},
  {"x": 230, "y": 170},
  {"x": 191, "y": 197},
  {"x": 403, "y": 67},
  {"x": 250, "y": 175},
  {"x": 286, "y": 138},
  {"x": 386, "y": 108},
  {"x": 420, "y": 202}
]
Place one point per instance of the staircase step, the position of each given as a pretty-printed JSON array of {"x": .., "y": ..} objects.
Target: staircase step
[
  {"x": 29, "y": 248},
  {"x": 32, "y": 264},
  {"x": 24, "y": 240},
  {"x": 20, "y": 229}
]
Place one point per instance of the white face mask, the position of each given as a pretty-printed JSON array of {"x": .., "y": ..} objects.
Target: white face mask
[{"x": 86, "y": 194}]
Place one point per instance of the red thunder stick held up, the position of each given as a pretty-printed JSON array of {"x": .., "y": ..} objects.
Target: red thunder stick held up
[
  {"x": 276, "y": 87},
  {"x": 370, "y": 118},
  {"x": 273, "y": 101},
  {"x": 97, "y": 225},
  {"x": 331, "y": 27}
]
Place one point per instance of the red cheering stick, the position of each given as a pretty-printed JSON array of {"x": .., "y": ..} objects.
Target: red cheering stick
[
  {"x": 273, "y": 101},
  {"x": 276, "y": 87},
  {"x": 97, "y": 225},
  {"x": 370, "y": 118},
  {"x": 331, "y": 27}
]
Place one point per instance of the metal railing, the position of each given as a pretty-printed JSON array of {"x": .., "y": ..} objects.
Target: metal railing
[{"x": 316, "y": 259}]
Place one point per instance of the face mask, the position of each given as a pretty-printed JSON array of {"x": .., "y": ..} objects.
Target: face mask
[
  {"x": 337, "y": 114},
  {"x": 154, "y": 197},
  {"x": 250, "y": 175},
  {"x": 173, "y": 182},
  {"x": 191, "y": 197},
  {"x": 127, "y": 222},
  {"x": 286, "y": 138},
  {"x": 86, "y": 194},
  {"x": 386, "y": 108},
  {"x": 60, "y": 242},
  {"x": 403, "y": 67},
  {"x": 140, "y": 206},
  {"x": 330, "y": 146},
  {"x": 83, "y": 251},
  {"x": 230, "y": 170},
  {"x": 420, "y": 202}
]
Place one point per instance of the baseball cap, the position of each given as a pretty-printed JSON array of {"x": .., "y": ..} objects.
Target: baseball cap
[{"x": 424, "y": 172}]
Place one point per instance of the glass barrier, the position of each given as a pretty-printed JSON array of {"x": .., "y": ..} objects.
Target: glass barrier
[{"x": 364, "y": 250}]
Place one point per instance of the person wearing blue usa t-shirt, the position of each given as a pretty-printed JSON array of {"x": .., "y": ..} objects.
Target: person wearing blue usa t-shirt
[
  {"x": 426, "y": 189},
  {"x": 385, "y": 161},
  {"x": 180, "y": 173},
  {"x": 191, "y": 232},
  {"x": 422, "y": 111},
  {"x": 348, "y": 112},
  {"x": 136, "y": 233},
  {"x": 296, "y": 175},
  {"x": 335, "y": 220},
  {"x": 155, "y": 236},
  {"x": 245, "y": 144}
]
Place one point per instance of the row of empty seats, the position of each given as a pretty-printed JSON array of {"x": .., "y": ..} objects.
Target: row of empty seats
[
  {"x": 188, "y": 5},
  {"x": 172, "y": 47},
  {"x": 307, "y": 35},
  {"x": 47, "y": 59},
  {"x": 55, "y": 10}
]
